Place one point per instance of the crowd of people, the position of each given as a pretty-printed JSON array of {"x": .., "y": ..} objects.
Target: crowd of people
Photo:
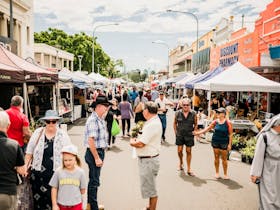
[{"x": 51, "y": 163}]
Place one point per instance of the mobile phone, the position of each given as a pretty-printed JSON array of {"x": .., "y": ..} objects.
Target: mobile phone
[{"x": 257, "y": 181}]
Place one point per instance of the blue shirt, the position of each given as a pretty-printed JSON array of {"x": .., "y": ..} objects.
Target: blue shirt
[
  {"x": 96, "y": 128},
  {"x": 133, "y": 95}
]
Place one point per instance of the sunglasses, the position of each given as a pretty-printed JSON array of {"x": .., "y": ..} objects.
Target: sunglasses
[
  {"x": 51, "y": 121},
  {"x": 186, "y": 105}
]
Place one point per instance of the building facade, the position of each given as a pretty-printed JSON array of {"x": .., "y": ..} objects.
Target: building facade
[
  {"x": 22, "y": 39},
  {"x": 53, "y": 58},
  {"x": 180, "y": 60}
]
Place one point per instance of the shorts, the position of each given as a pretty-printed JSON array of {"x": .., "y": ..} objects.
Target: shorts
[
  {"x": 184, "y": 140},
  {"x": 75, "y": 207},
  {"x": 222, "y": 146},
  {"x": 200, "y": 126},
  {"x": 148, "y": 169}
]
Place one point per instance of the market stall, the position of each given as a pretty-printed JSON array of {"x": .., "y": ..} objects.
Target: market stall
[
  {"x": 238, "y": 78},
  {"x": 26, "y": 79}
]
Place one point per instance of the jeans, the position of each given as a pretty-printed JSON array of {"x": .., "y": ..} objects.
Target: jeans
[
  {"x": 162, "y": 118},
  {"x": 94, "y": 174}
]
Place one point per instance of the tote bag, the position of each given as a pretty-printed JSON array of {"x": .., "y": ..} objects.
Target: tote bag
[{"x": 115, "y": 128}]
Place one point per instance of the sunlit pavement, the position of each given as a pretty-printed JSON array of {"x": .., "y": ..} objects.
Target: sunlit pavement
[{"x": 120, "y": 188}]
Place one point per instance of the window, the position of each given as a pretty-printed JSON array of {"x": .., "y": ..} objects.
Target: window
[{"x": 28, "y": 35}]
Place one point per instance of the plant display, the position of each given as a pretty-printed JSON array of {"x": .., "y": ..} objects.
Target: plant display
[
  {"x": 137, "y": 129},
  {"x": 247, "y": 153}
]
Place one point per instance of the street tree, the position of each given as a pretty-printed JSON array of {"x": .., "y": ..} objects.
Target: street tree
[{"x": 79, "y": 44}]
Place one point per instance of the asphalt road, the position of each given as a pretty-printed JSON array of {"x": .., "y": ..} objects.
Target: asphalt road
[{"x": 120, "y": 188}]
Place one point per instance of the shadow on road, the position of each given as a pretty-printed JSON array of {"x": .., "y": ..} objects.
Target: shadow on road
[
  {"x": 115, "y": 149},
  {"x": 232, "y": 185},
  {"x": 196, "y": 181},
  {"x": 167, "y": 144}
]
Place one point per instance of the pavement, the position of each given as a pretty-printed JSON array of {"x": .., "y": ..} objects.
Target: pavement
[{"x": 120, "y": 188}]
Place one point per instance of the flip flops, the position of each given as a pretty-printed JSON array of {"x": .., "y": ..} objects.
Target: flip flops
[{"x": 191, "y": 173}]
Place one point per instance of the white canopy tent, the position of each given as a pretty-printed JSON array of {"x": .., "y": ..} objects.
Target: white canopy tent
[
  {"x": 238, "y": 78},
  {"x": 98, "y": 78}
]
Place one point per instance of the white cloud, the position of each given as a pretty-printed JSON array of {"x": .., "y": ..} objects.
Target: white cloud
[{"x": 152, "y": 18}]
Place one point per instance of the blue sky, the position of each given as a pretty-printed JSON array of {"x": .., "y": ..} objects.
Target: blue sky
[{"x": 141, "y": 22}]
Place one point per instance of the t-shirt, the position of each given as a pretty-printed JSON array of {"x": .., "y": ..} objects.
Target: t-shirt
[
  {"x": 11, "y": 156},
  {"x": 152, "y": 140},
  {"x": 18, "y": 120},
  {"x": 69, "y": 184}
]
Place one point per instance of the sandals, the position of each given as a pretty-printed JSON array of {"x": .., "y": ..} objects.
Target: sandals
[{"x": 191, "y": 174}]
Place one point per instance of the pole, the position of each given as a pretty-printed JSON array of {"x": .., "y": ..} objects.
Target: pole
[
  {"x": 80, "y": 62},
  {"x": 92, "y": 68},
  {"x": 94, "y": 29},
  {"x": 195, "y": 17},
  {"x": 168, "y": 48},
  {"x": 11, "y": 21}
]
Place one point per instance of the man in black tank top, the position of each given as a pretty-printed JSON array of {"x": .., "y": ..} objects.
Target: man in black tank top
[{"x": 185, "y": 123}]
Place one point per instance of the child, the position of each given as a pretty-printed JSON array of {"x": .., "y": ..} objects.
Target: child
[{"x": 68, "y": 183}]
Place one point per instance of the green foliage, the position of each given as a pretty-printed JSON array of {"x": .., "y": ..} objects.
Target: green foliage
[
  {"x": 137, "y": 129},
  {"x": 249, "y": 150},
  {"x": 80, "y": 44}
]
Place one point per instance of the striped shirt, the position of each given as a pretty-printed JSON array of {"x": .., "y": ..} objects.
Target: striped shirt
[{"x": 96, "y": 128}]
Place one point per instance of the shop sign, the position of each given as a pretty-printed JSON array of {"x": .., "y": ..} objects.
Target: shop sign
[
  {"x": 5, "y": 77},
  {"x": 228, "y": 61},
  {"x": 229, "y": 50},
  {"x": 227, "y": 57}
]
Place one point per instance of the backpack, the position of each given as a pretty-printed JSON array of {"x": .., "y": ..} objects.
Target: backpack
[{"x": 139, "y": 107}]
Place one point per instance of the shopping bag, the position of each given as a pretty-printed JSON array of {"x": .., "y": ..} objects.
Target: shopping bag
[{"x": 115, "y": 128}]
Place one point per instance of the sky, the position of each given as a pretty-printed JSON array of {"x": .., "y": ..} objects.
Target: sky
[{"x": 142, "y": 22}]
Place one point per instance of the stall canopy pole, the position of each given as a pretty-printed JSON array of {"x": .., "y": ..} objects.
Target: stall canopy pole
[
  {"x": 258, "y": 104},
  {"x": 193, "y": 98},
  {"x": 25, "y": 96},
  {"x": 209, "y": 100},
  {"x": 55, "y": 90}
]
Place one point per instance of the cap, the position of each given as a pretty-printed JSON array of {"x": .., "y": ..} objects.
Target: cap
[
  {"x": 221, "y": 110},
  {"x": 71, "y": 148}
]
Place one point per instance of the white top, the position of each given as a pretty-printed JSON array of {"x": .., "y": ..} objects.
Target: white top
[
  {"x": 151, "y": 137},
  {"x": 162, "y": 104}
]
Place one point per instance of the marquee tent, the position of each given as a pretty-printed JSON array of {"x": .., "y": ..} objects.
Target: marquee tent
[
  {"x": 239, "y": 78},
  {"x": 65, "y": 75},
  {"x": 207, "y": 75},
  {"x": 98, "y": 78},
  {"x": 14, "y": 69},
  {"x": 188, "y": 77}
]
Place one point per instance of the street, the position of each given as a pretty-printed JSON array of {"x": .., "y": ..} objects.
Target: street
[{"x": 120, "y": 188}]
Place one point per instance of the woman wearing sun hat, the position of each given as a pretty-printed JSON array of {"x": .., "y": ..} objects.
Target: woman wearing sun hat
[{"x": 44, "y": 149}]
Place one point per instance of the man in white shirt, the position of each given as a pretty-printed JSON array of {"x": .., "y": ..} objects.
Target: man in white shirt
[
  {"x": 162, "y": 102},
  {"x": 147, "y": 148}
]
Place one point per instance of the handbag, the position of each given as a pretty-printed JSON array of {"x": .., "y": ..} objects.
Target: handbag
[
  {"x": 24, "y": 189},
  {"x": 115, "y": 128}
]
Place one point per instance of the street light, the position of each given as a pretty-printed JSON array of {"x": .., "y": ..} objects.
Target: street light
[
  {"x": 98, "y": 65},
  {"x": 94, "y": 29},
  {"x": 166, "y": 45},
  {"x": 195, "y": 17},
  {"x": 80, "y": 62}
]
